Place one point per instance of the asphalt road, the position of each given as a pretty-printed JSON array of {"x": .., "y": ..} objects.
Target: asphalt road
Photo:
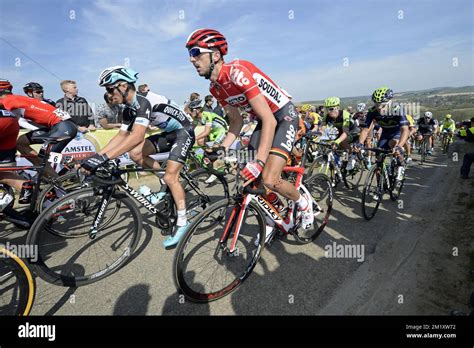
[{"x": 289, "y": 279}]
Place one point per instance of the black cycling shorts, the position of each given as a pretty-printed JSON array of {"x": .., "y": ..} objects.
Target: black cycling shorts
[
  {"x": 285, "y": 132},
  {"x": 178, "y": 143},
  {"x": 64, "y": 128},
  {"x": 8, "y": 157}
]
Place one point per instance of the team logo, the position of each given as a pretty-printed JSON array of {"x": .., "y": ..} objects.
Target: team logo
[
  {"x": 290, "y": 138},
  {"x": 238, "y": 78},
  {"x": 236, "y": 99}
]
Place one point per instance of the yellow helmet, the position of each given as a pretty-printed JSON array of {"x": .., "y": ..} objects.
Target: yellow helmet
[
  {"x": 448, "y": 116},
  {"x": 306, "y": 107}
]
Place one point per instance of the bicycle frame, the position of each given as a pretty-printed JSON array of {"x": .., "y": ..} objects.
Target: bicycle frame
[
  {"x": 284, "y": 224},
  {"x": 138, "y": 197}
]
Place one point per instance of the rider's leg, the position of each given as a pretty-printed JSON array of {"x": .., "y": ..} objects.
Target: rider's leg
[
  {"x": 271, "y": 176},
  {"x": 12, "y": 179},
  {"x": 140, "y": 155}
]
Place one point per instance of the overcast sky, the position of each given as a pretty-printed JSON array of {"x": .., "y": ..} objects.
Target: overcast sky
[{"x": 313, "y": 49}]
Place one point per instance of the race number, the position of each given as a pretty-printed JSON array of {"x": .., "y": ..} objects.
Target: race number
[{"x": 55, "y": 157}]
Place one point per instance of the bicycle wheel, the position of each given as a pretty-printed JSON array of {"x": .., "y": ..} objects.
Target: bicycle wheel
[
  {"x": 352, "y": 178},
  {"x": 204, "y": 269},
  {"x": 372, "y": 193},
  {"x": 319, "y": 185},
  {"x": 57, "y": 189},
  {"x": 199, "y": 196},
  {"x": 84, "y": 260},
  {"x": 17, "y": 285}
]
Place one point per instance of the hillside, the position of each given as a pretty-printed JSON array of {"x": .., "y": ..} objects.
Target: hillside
[{"x": 458, "y": 101}]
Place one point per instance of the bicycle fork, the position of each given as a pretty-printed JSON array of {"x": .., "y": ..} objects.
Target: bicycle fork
[{"x": 99, "y": 216}]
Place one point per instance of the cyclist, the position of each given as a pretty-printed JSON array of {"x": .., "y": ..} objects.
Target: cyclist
[
  {"x": 9, "y": 130},
  {"x": 341, "y": 120},
  {"x": 240, "y": 84},
  {"x": 448, "y": 126},
  {"x": 427, "y": 127},
  {"x": 215, "y": 128},
  {"x": 412, "y": 130},
  {"x": 177, "y": 136},
  {"x": 35, "y": 90},
  {"x": 394, "y": 125},
  {"x": 44, "y": 120}
]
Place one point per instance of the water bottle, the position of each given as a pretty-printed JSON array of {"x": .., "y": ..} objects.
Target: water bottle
[
  {"x": 400, "y": 173},
  {"x": 274, "y": 200},
  {"x": 150, "y": 196},
  {"x": 26, "y": 192},
  {"x": 337, "y": 159}
]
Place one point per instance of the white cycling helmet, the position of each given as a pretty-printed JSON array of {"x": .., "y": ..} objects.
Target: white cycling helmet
[
  {"x": 361, "y": 107},
  {"x": 117, "y": 73},
  {"x": 428, "y": 114}
]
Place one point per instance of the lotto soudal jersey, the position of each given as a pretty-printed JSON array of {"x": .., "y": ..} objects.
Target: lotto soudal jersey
[
  {"x": 38, "y": 112},
  {"x": 155, "y": 110},
  {"x": 239, "y": 81}
]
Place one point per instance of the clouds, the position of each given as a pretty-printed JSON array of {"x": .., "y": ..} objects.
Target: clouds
[{"x": 304, "y": 53}]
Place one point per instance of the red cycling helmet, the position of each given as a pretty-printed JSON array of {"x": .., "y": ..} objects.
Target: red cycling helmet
[
  {"x": 207, "y": 38},
  {"x": 5, "y": 86}
]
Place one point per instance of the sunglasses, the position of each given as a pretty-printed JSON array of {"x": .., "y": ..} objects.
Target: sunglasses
[
  {"x": 111, "y": 89},
  {"x": 332, "y": 109},
  {"x": 196, "y": 51},
  {"x": 38, "y": 92}
]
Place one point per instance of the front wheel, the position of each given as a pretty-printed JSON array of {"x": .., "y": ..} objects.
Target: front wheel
[
  {"x": 84, "y": 259},
  {"x": 204, "y": 267},
  {"x": 372, "y": 193}
]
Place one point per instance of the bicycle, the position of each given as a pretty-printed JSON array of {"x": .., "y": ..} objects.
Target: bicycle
[
  {"x": 17, "y": 285},
  {"x": 424, "y": 147},
  {"x": 446, "y": 139},
  {"x": 234, "y": 246},
  {"x": 382, "y": 178},
  {"x": 333, "y": 163},
  {"x": 84, "y": 218},
  {"x": 39, "y": 199},
  {"x": 204, "y": 157}
]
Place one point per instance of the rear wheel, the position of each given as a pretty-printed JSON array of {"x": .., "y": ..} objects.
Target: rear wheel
[{"x": 320, "y": 188}]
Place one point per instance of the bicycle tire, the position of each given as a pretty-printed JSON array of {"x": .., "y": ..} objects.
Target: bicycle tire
[
  {"x": 319, "y": 185},
  {"x": 71, "y": 273},
  {"x": 180, "y": 271},
  {"x": 195, "y": 204},
  {"x": 13, "y": 266},
  {"x": 366, "y": 192}
]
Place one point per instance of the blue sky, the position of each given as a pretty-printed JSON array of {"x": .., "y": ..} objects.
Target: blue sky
[{"x": 301, "y": 44}]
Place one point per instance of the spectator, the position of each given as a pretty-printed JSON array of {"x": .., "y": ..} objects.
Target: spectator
[
  {"x": 35, "y": 90},
  {"x": 194, "y": 97},
  {"x": 143, "y": 90},
  {"x": 77, "y": 107},
  {"x": 220, "y": 111},
  {"x": 208, "y": 101},
  {"x": 109, "y": 114},
  {"x": 350, "y": 110},
  {"x": 468, "y": 135}
]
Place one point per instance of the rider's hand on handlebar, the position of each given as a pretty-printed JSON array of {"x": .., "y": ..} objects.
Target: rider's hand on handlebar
[
  {"x": 252, "y": 171},
  {"x": 357, "y": 147},
  {"x": 92, "y": 163}
]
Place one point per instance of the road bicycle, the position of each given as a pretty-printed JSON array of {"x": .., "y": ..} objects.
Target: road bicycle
[
  {"x": 382, "y": 178},
  {"x": 211, "y": 264},
  {"x": 446, "y": 140},
  {"x": 40, "y": 198},
  {"x": 424, "y": 147},
  {"x": 91, "y": 233},
  {"x": 17, "y": 285}
]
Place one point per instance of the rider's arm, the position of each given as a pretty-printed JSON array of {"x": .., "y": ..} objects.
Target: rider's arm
[
  {"x": 124, "y": 142},
  {"x": 235, "y": 125},
  {"x": 263, "y": 111},
  {"x": 204, "y": 133}
]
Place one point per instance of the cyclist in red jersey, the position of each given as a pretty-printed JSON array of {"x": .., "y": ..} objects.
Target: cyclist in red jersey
[
  {"x": 43, "y": 119},
  {"x": 240, "y": 84},
  {"x": 9, "y": 130}
]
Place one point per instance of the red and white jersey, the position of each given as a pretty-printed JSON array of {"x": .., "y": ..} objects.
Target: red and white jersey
[
  {"x": 36, "y": 111},
  {"x": 239, "y": 81}
]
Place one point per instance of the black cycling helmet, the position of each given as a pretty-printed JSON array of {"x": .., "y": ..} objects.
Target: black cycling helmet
[{"x": 32, "y": 86}]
